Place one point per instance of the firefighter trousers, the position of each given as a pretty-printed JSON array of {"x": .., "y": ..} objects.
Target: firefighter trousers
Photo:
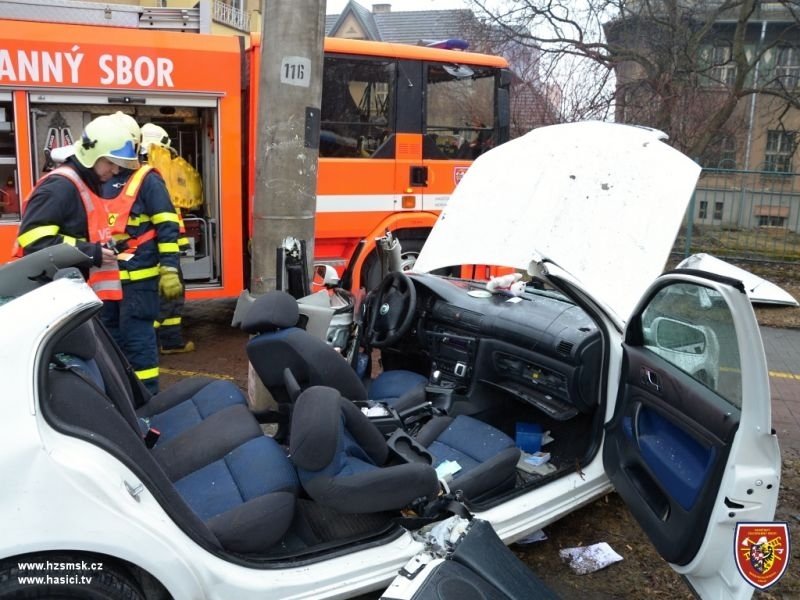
[{"x": 130, "y": 322}]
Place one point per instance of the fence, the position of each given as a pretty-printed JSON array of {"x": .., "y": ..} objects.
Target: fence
[{"x": 743, "y": 216}]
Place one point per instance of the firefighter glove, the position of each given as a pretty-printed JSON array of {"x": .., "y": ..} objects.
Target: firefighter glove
[{"x": 169, "y": 284}]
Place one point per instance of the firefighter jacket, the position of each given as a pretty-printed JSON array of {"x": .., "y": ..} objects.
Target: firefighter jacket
[
  {"x": 104, "y": 279},
  {"x": 149, "y": 239},
  {"x": 55, "y": 214}
]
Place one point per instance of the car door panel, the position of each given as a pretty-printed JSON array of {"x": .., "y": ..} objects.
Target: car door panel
[
  {"x": 673, "y": 446},
  {"x": 690, "y": 448}
]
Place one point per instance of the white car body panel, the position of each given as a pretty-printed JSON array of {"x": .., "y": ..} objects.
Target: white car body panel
[
  {"x": 530, "y": 198},
  {"x": 759, "y": 290}
]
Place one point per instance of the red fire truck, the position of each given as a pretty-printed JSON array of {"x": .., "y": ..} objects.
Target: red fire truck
[{"x": 400, "y": 124}]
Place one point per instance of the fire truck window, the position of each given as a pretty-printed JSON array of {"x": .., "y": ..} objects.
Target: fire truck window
[
  {"x": 9, "y": 191},
  {"x": 459, "y": 112},
  {"x": 357, "y": 108}
]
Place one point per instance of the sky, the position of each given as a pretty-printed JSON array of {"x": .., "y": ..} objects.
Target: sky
[{"x": 334, "y": 7}]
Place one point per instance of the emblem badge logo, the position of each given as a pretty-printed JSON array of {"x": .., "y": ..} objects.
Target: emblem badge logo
[
  {"x": 458, "y": 174},
  {"x": 762, "y": 552},
  {"x": 384, "y": 309}
]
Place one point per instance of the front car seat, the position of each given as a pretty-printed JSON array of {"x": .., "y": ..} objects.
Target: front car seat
[
  {"x": 280, "y": 344},
  {"x": 343, "y": 460}
]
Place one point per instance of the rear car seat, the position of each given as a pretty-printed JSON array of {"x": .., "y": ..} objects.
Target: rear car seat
[
  {"x": 216, "y": 471},
  {"x": 170, "y": 412}
]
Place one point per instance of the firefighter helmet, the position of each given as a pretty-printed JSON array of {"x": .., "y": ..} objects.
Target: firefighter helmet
[
  {"x": 129, "y": 123},
  {"x": 154, "y": 134},
  {"x": 105, "y": 137}
]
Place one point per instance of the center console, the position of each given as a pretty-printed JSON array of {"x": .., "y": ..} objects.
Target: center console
[{"x": 454, "y": 357}]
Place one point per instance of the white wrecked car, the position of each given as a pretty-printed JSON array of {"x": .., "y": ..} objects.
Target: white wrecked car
[{"x": 181, "y": 495}]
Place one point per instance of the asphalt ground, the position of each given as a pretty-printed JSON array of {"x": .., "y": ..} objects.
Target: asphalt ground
[{"x": 782, "y": 347}]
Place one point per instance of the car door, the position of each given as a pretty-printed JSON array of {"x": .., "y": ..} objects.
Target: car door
[{"x": 690, "y": 446}]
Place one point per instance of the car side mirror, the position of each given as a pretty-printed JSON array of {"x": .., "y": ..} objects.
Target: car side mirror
[
  {"x": 678, "y": 336},
  {"x": 325, "y": 275}
]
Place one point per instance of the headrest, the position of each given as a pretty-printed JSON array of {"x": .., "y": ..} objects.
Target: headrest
[
  {"x": 270, "y": 312},
  {"x": 79, "y": 342}
]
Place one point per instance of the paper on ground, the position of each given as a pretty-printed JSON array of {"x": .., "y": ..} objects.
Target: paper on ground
[{"x": 588, "y": 559}]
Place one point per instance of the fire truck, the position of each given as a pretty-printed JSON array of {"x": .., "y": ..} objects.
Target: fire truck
[{"x": 400, "y": 124}]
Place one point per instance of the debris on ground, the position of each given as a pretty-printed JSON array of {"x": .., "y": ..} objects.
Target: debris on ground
[{"x": 588, "y": 559}]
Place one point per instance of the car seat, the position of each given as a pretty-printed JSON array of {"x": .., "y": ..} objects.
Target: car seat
[
  {"x": 279, "y": 344},
  {"x": 215, "y": 470},
  {"x": 343, "y": 461}
]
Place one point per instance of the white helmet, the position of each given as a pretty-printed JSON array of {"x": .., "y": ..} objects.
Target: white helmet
[
  {"x": 106, "y": 137},
  {"x": 153, "y": 134},
  {"x": 61, "y": 154},
  {"x": 129, "y": 123}
]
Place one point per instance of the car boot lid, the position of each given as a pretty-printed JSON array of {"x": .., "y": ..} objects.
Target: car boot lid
[{"x": 603, "y": 201}]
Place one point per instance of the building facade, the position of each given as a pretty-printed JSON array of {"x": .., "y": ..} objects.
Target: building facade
[{"x": 750, "y": 181}]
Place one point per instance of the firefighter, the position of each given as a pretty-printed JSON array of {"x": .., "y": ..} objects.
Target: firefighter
[
  {"x": 65, "y": 205},
  {"x": 169, "y": 326},
  {"x": 138, "y": 203}
]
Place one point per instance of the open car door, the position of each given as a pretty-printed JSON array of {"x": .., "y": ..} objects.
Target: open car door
[
  {"x": 465, "y": 559},
  {"x": 690, "y": 447}
]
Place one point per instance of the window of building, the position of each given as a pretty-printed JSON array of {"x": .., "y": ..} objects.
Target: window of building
[
  {"x": 779, "y": 151},
  {"x": 787, "y": 67},
  {"x": 766, "y": 221},
  {"x": 357, "y": 108},
  {"x": 718, "y": 206},
  {"x": 770, "y": 215},
  {"x": 723, "y": 69},
  {"x": 459, "y": 111},
  {"x": 721, "y": 153},
  {"x": 703, "y": 212}
]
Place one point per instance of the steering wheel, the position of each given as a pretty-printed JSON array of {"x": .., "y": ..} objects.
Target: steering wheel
[{"x": 392, "y": 310}]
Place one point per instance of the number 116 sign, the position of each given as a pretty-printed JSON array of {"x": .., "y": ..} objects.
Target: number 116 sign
[{"x": 296, "y": 70}]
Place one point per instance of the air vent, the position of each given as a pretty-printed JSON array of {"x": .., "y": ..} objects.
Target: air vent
[{"x": 565, "y": 348}]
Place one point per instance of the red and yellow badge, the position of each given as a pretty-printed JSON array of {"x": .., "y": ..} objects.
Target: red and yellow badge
[
  {"x": 762, "y": 552},
  {"x": 458, "y": 174}
]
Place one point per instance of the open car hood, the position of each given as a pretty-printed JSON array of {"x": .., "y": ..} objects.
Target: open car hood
[{"x": 603, "y": 201}]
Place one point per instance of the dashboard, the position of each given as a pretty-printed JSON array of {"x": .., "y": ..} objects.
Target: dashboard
[{"x": 539, "y": 347}]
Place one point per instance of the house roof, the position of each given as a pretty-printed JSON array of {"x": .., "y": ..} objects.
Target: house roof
[
  {"x": 364, "y": 17},
  {"x": 407, "y": 27}
]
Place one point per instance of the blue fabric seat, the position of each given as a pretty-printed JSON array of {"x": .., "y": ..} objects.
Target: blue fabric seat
[
  {"x": 487, "y": 456},
  {"x": 279, "y": 344},
  {"x": 188, "y": 403},
  {"x": 221, "y": 476},
  {"x": 180, "y": 407},
  {"x": 343, "y": 460}
]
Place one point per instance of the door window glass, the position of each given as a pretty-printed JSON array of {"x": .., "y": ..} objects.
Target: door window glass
[
  {"x": 459, "y": 111},
  {"x": 357, "y": 108},
  {"x": 691, "y": 327}
]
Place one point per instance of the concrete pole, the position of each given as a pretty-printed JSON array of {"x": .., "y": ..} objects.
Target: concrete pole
[
  {"x": 287, "y": 141},
  {"x": 287, "y": 138}
]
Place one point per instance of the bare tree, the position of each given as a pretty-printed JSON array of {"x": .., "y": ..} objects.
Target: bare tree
[{"x": 682, "y": 66}]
